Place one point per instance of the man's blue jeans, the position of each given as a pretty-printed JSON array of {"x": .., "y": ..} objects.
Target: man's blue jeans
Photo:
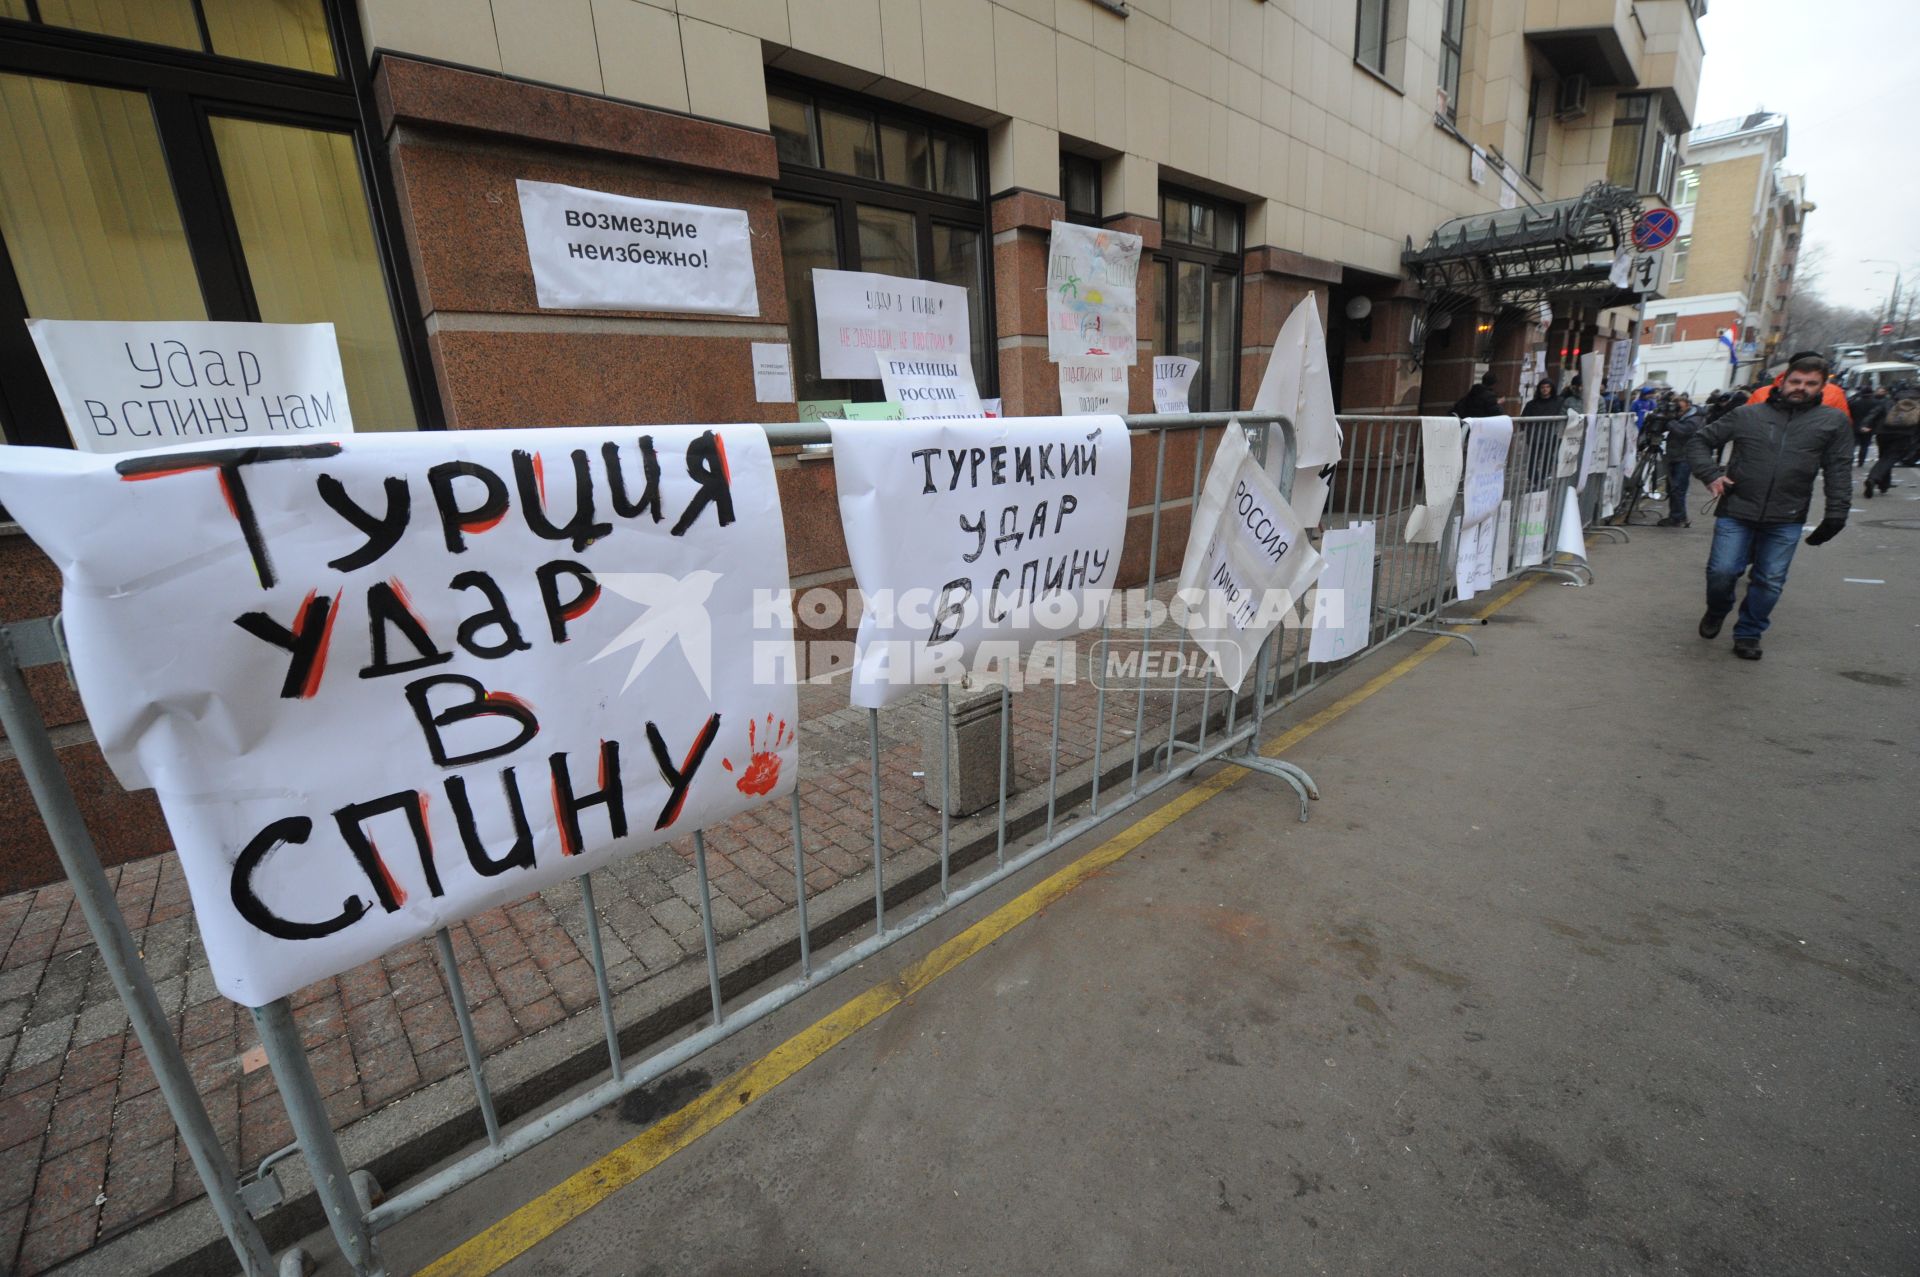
[
  {"x": 1678, "y": 474},
  {"x": 1737, "y": 545}
]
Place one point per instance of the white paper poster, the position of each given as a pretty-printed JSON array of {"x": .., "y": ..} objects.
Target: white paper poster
[
  {"x": 1343, "y": 601},
  {"x": 930, "y": 387},
  {"x": 1297, "y": 384},
  {"x": 1091, "y": 273},
  {"x": 1172, "y": 379},
  {"x": 1610, "y": 491},
  {"x": 1566, "y": 462},
  {"x": 408, "y": 677},
  {"x": 1247, "y": 561},
  {"x": 772, "y": 372},
  {"x": 1440, "y": 462},
  {"x": 972, "y": 540},
  {"x": 593, "y": 250},
  {"x": 1473, "y": 567},
  {"x": 1503, "y": 542},
  {"x": 1533, "y": 529},
  {"x": 1593, "y": 454},
  {"x": 863, "y": 316},
  {"x": 128, "y": 387},
  {"x": 1092, "y": 388},
  {"x": 1486, "y": 476},
  {"x": 1570, "y": 540},
  {"x": 1590, "y": 380}
]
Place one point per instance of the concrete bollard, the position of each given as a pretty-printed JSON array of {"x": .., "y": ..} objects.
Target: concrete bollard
[{"x": 972, "y": 729}]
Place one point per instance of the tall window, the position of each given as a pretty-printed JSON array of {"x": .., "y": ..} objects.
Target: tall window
[
  {"x": 138, "y": 184},
  {"x": 1630, "y": 111},
  {"x": 1453, "y": 31},
  {"x": 1537, "y": 124},
  {"x": 1681, "y": 248},
  {"x": 1686, "y": 191},
  {"x": 1663, "y": 329},
  {"x": 872, "y": 187},
  {"x": 1200, "y": 300},
  {"x": 1080, "y": 188},
  {"x": 1370, "y": 38}
]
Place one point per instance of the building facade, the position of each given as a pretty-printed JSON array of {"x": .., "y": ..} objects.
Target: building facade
[
  {"x": 1731, "y": 271},
  {"x": 355, "y": 161}
]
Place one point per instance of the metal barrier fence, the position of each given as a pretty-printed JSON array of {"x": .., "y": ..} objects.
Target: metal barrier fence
[{"x": 1125, "y": 745}]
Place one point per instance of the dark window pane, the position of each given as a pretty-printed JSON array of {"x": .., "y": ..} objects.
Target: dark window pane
[
  {"x": 149, "y": 21},
  {"x": 954, "y": 171},
  {"x": 1189, "y": 310},
  {"x": 888, "y": 242},
  {"x": 1370, "y": 43},
  {"x": 1080, "y": 185},
  {"x": 1223, "y": 340},
  {"x": 847, "y": 143},
  {"x": 808, "y": 241},
  {"x": 957, "y": 259},
  {"x": 1226, "y": 231},
  {"x": 1173, "y": 219},
  {"x": 793, "y": 130},
  {"x": 289, "y": 33},
  {"x": 1202, "y": 224},
  {"x": 903, "y": 156}
]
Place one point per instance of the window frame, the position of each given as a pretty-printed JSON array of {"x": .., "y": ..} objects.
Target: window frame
[
  {"x": 1453, "y": 34},
  {"x": 184, "y": 88},
  {"x": 1686, "y": 186},
  {"x": 1682, "y": 249},
  {"x": 1665, "y": 324},
  {"x": 1218, "y": 262},
  {"x": 1385, "y": 9},
  {"x": 1539, "y": 123},
  {"x": 1081, "y": 216},
  {"x": 817, "y": 185}
]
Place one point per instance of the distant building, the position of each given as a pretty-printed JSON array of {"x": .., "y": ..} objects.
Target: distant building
[{"x": 1729, "y": 275}]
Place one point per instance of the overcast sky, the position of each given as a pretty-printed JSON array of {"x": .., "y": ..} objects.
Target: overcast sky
[{"x": 1853, "y": 120}]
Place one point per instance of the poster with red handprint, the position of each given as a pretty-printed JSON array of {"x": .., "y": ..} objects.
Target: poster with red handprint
[{"x": 383, "y": 682}]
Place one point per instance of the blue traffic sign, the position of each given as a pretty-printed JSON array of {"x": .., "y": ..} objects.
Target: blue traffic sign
[{"x": 1655, "y": 229}]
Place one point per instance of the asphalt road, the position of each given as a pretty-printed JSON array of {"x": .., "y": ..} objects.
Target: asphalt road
[{"x": 1598, "y": 956}]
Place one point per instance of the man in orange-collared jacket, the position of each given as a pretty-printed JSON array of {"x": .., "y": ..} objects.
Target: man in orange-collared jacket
[{"x": 1831, "y": 397}]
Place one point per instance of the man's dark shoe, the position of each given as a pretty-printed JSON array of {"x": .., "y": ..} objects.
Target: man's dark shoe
[
  {"x": 1869, "y": 489},
  {"x": 1747, "y": 649},
  {"x": 1710, "y": 624},
  {"x": 1671, "y": 522}
]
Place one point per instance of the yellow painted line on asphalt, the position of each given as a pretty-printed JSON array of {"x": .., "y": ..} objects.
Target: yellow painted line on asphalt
[{"x": 495, "y": 1247}]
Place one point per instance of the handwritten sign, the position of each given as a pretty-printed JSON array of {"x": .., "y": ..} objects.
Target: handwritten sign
[
  {"x": 1247, "y": 561},
  {"x": 972, "y": 540},
  {"x": 1486, "y": 481},
  {"x": 1440, "y": 439},
  {"x": 863, "y": 316},
  {"x": 1343, "y": 605},
  {"x": 930, "y": 387},
  {"x": 1091, "y": 273},
  {"x": 1172, "y": 379},
  {"x": 127, "y": 387},
  {"x": 409, "y": 677},
  {"x": 591, "y": 250},
  {"x": 1095, "y": 388}
]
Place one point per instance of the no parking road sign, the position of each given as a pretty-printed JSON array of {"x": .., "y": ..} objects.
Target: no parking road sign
[{"x": 1655, "y": 228}]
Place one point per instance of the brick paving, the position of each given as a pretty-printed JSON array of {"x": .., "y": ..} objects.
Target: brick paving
[{"x": 87, "y": 1150}]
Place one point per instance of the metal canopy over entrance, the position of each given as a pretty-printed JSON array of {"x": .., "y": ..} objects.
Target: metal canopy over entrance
[{"x": 1560, "y": 251}]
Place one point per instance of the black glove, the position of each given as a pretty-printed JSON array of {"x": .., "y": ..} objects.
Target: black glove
[{"x": 1827, "y": 531}]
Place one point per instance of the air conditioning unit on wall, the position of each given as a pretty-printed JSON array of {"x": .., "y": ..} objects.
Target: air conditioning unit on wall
[{"x": 1571, "y": 102}]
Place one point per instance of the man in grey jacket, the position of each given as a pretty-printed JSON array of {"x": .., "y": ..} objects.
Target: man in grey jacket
[{"x": 1779, "y": 444}]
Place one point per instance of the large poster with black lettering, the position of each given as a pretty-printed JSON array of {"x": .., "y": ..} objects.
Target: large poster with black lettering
[
  {"x": 128, "y": 387},
  {"x": 594, "y": 250},
  {"x": 380, "y": 683},
  {"x": 970, "y": 540},
  {"x": 1247, "y": 562}
]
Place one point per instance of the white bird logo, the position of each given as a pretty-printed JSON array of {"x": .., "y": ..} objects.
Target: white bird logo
[{"x": 675, "y": 610}]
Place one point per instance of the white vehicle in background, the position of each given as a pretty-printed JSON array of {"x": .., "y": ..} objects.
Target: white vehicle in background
[
  {"x": 1846, "y": 357},
  {"x": 1879, "y": 376}
]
